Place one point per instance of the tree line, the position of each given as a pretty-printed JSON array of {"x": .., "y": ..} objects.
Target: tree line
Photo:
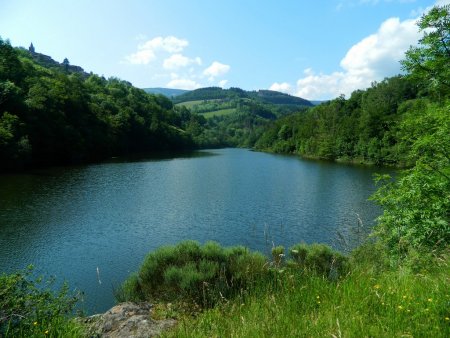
[{"x": 50, "y": 115}]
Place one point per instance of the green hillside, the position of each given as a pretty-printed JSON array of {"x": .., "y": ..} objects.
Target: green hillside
[
  {"x": 169, "y": 92},
  {"x": 263, "y": 96},
  {"x": 215, "y": 101}
]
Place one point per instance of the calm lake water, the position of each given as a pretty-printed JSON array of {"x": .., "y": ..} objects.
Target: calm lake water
[{"x": 68, "y": 222}]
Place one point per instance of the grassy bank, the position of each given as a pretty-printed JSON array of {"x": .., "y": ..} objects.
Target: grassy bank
[
  {"x": 372, "y": 300},
  {"x": 311, "y": 291}
]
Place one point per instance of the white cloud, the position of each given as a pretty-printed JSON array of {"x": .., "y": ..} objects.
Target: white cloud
[
  {"x": 283, "y": 87},
  {"x": 167, "y": 62},
  {"x": 371, "y": 59},
  {"x": 169, "y": 44},
  {"x": 178, "y": 61},
  {"x": 222, "y": 83},
  {"x": 146, "y": 52},
  {"x": 183, "y": 84},
  {"x": 442, "y": 2},
  {"x": 141, "y": 57},
  {"x": 216, "y": 69}
]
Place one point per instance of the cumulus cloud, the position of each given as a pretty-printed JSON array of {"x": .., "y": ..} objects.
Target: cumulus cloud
[
  {"x": 216, "y": 69},
  {"x": 222, "y": 83},
  {"x": 283, "y": 87},
  {"x": 176, "y": 61},
  {"x": 371, "y": 59},
  {"x": 187, "y": 84},
  {"x": 147, "y": 50}
]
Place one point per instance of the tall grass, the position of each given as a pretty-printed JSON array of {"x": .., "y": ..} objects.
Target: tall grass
[{"x": 371, "y": 300}]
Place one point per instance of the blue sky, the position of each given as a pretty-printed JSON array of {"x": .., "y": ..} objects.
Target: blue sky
[{"x": 314, "y": 49}]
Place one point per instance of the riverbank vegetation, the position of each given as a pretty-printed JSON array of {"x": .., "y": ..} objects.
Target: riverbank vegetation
[{"x": 395, "y": 284}]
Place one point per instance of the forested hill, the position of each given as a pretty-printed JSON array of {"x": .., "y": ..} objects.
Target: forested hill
[
  {"x": 261, "y": 96},
  {"x": 384, "y": 123},
  {"x": 169, "y": 92},
  {"x": 53, "y": 113}
]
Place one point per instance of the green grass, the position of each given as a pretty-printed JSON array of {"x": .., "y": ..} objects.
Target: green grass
[
  {"x": 220, "y": 112},
  {"x": 370, "y": 301}
]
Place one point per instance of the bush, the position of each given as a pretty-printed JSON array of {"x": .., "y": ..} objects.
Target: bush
[
  {"x": 277, "y": 255},
  {"x": 202, "y": 274},
  {"x": 320, "y": 259},
  {"x": 29, "y": 307}
]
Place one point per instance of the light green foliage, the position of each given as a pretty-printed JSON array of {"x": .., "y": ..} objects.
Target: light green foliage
[
  {"x": 277, "y": 255},
  {"x": 29, "y": 308},
  {"x": 429, "y": 63},
  {"x": 417, "y": 205}
]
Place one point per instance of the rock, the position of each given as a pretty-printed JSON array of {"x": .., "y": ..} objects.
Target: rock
[{"x": 127, "y": 320}]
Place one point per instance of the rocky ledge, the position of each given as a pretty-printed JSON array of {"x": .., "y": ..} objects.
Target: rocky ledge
[{"x": 127, "y": 320}]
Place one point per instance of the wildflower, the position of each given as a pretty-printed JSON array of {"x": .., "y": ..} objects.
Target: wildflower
[
  {"x": 408, "y": 310},
  {"x": 317, "y": 297},
  {"x": 447, "y": 319},
  {"x": 400, "y": 307},
  {"x": 376, "y": 286},
  {"x": 35, "y": 323},
  {"x": 46, "y": 332},
  {"x": 404, "y": 297},
  {"x": 318, "y": 302},
  {"x": 430, "y": 300}
]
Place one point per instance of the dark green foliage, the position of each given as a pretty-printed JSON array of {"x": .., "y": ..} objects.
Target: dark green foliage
[
  {"x": 224, "y": 95},
  {"x": 210, "y": 273},
  {"x": 362, "y": 128},
  {"x": 52, "y": 114},
  {"x": 28, "y": 307},
  {"x": 202, "y": 274}
]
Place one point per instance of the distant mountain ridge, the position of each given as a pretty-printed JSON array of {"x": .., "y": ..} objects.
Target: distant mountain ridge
[
  {"x": 263, "y": 96},
  {"x": 169, "y": 92}
]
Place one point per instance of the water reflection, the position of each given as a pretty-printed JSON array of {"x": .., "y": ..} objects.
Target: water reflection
[{"x": 70, "y": 221}]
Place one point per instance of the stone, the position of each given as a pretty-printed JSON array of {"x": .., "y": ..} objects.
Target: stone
[{"x": 127, "y": 320}]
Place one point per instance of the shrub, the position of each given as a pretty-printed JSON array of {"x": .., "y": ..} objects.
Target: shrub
[
  {"x": 29, "y": 307},
  {"x": 203, "y": 274},
  {"x": 320, "y": 259}
]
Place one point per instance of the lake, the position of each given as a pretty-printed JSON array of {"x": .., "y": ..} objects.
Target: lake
[{"x": 71, "y": 221}]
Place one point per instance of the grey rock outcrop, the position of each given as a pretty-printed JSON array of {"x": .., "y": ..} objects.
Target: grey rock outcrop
[{"x": 127, "y": 320}]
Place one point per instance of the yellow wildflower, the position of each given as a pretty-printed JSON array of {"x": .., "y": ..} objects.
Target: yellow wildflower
[
  {"x": 318, "y": 297},
  {"x": 46, "y": 332},
  {"x": 376, "y": 286},
  {"x": 430, "y": 300},
  {"x": 446, "y": 318},
  {"x": 35, "y": 323},
  {"x": 400, "y": 307}
]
